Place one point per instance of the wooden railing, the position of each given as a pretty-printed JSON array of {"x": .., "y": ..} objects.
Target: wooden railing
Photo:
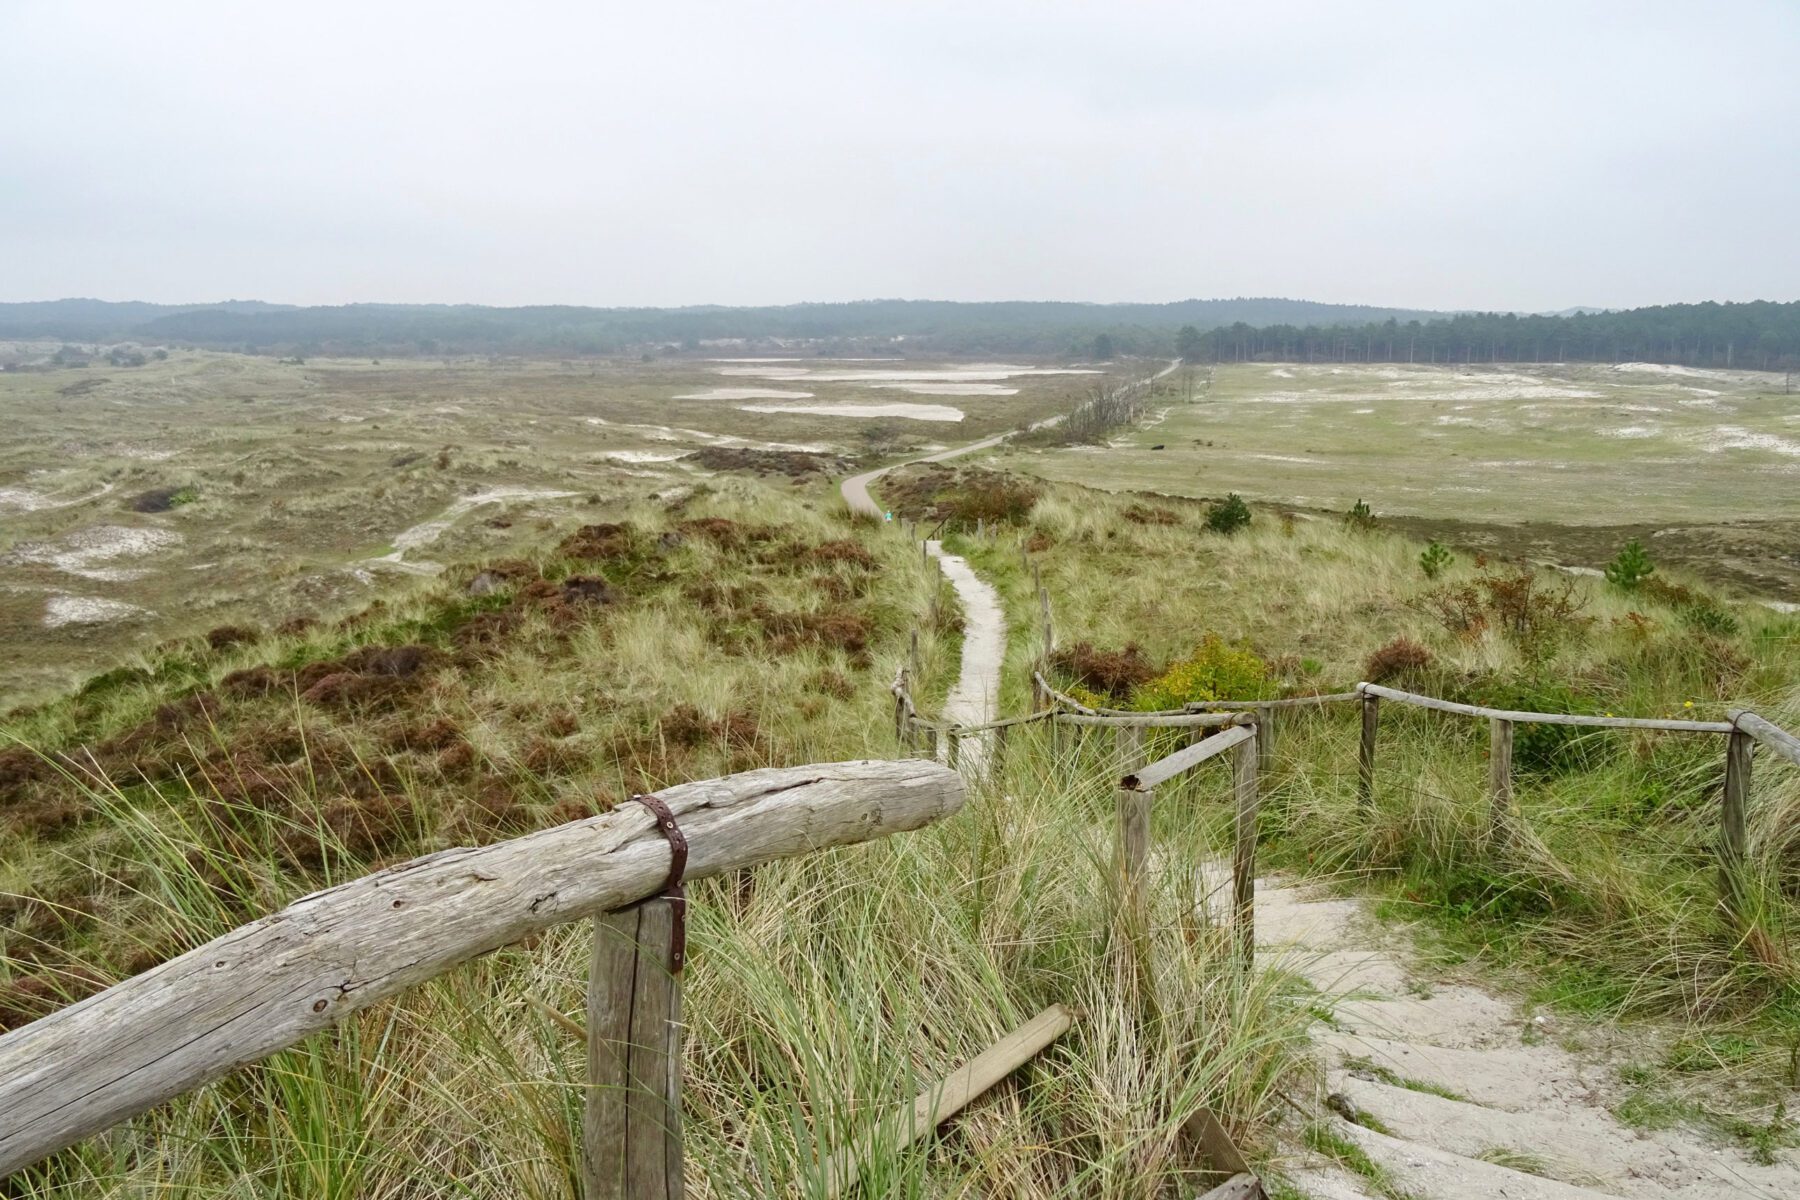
[
  {"x": 1742, "y": 730},
  {"x": 270, "y": 984}
]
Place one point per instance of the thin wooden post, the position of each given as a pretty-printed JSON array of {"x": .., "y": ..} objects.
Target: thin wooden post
[
  {"x": 931, "y": 742},
  {"x": 631, "y": 1130},
  {"x": 1129, "y": 740},
  {"x": 913, "y": 655},
  {"x": 1265, "y": 741},
  {"x": 1244, "y": 759},
  {"x": 996, "y": 753},
  {"x": 1365, "y": 757},
  {"x": 980, "y": 528},
  {"x": 1734, "y": 834},
  {"x": 1131, "y": 854},
  {"x": 1037, "y": 577},
  {"x": 1500, "y": 778},
  {"x": 952, "y": 747}
]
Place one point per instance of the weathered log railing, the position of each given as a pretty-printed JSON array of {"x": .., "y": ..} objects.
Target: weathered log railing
[
  {"x": 1742, "y": 730},
  {"x": 270, "y": 984}
]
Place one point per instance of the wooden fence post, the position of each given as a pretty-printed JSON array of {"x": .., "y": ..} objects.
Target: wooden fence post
[
  {"x": 952, "y": 748},
  {"x": 913, "y": 656},
  {"x": 1244, "y": 764},
  {"x": 1131, "y": 854},
  {"x": 1734, "y": 835},
  {"x": 1500, "y": 778},
  {"x": 931, "y": 742},
  {"x": 1265, "y": 740},
  {"x": 996, "y": 752},
  {"x": 1129, "y": 739},
  {"x": 631, "y": 1130},
  {"x": 900, "y": 712},
  {"x": 1365, "y": 758}
]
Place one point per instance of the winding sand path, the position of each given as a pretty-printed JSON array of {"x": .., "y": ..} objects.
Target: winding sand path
[{"x": 1478, "y": 1098}]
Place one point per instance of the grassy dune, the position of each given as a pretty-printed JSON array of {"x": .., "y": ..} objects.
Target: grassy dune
[
  {"x": 1605, "y": 904},
  {"x": 751, "y": 624},
  {"x": 162, "y": 806}
]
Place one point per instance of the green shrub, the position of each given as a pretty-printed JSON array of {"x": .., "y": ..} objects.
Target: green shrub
[
  {"x": 1548, "y": 749},
  {"x": 1631, "y": 567},
  {"x": 1229, "y": 515},
  {"x": 1360, "y": 516},
  {"x": 1214, "y": 671},
  {"x": 1435, "y": 560},
  {"x": 1706, "y": 617}
]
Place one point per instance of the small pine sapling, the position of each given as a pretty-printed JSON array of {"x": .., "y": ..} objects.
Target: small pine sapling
[
  {"x": 1629, "y": 570},
  {"x": 1435, "y": 560},
  {"x": 1228, "y": 515}
]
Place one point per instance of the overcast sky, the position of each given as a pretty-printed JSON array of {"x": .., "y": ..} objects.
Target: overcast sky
[{"x": 1438, "y": 154}]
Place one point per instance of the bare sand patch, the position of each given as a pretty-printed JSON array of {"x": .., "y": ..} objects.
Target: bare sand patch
[
  {"x": 82, "y": 551},
  {"x": 643, "y": 456},
  {"x": 911, "y": 412},
  {"x": 951, "y": 389},
  {"x": 1734, "y": 437},
  {"x": 24, "y": 499},
  {"x": 427, "y": 532},
  {"x": 744, "y": 393},
  {"x": 974, "y": 373},
  {"x": 87, "y": 610}
]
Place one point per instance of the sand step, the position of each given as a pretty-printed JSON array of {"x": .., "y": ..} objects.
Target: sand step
[
  {"x": 1428, "y": 1171},
  {"x": 1514, "y": 1078},
  {"x": 1585, "y": 1147}
]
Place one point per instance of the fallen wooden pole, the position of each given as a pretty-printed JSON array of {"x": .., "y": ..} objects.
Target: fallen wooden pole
[
  {"x": 951, "y": 1095},
  {"x": 270, "y": 984}
]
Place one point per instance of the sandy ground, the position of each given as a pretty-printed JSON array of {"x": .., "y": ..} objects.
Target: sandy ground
[
  {"x": 975, "y": 698},
  {"x": 1523, "y": 1096}
]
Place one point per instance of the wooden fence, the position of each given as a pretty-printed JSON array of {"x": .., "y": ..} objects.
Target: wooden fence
[
  {"x": 270, "y": 984},
  {"x": 1742, "y": 730}
]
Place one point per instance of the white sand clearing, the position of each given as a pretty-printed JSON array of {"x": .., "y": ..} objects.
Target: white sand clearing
[
  {"x": 88, "y": 610},
  {"x": 911, "y": 412},
  {"x": 82, "y": 551},
  {"x": 744, "y": 393},
  {"x": 951, "y": 389},
  {"x": 643, "y": 456}
]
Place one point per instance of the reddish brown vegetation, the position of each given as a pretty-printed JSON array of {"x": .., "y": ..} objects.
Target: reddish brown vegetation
[
  {"x": 796, "y": 463},
  {"x": 1396, "y": 660},
  {"x": 788, "y": 631},
  {"x": 1139, "y": 514},
  {"x": 1112, "y": 673},
  {"x": 687, "y": 727},
  {"x": 597, "y": 542},
  {"x": 227, "y": 636}
]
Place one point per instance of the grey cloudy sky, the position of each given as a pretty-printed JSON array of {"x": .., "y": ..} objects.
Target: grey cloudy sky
[{"x": 1439, "y": 154}]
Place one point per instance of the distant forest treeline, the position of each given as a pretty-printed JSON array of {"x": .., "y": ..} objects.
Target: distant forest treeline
[
  {"x": 1759, "y": 334},
  {"x": 943, "y": 327}
]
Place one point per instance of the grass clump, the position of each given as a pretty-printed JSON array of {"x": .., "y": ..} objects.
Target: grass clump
[{"x": 1229, "y": 515}]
